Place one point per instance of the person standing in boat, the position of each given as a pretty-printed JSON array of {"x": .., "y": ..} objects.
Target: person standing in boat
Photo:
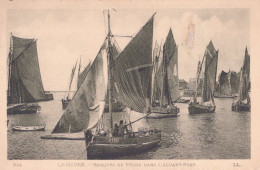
[
  {"x": 116, "y": 129},
  {"x": 121, "y": 128}
]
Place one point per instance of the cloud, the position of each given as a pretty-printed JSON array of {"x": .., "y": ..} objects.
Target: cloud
[
  {"x": 228, "y": 37},
  {"x": 64, "y": 35}
]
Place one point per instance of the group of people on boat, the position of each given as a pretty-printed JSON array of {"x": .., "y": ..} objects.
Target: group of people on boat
[
  {"x": 120, "y": 130},
  {"x": 67, "y": 99}
]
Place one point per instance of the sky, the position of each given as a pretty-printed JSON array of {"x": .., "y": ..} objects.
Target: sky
[{"x": 65, "y": 35}]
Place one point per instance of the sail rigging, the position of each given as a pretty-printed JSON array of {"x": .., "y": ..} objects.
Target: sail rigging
[
  {"x": 171, "y": 51},
  {"x": 82, "y": 75},
  {"x": 210, "y": 71},
  {"x": 245, "y": 79},
  {"x": 71, "y": 79},
  {"x": 87, "y": 105},
  {"x": 155, "y": 86},
  {"x": 166, "y": 77},
  {"x": 25, "y": 83},
  {"x": 133, "y": 70}
]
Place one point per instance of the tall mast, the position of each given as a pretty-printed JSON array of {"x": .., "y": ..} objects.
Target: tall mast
[
  {"x": 79, "y": 67},
  {"x": 163, "y": 74},
  {"x": 9, "y": 68},
  {"x": 110, "y": 58}
]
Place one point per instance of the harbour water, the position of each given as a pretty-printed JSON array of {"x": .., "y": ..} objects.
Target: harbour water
[{"x": 222, "y": 135}]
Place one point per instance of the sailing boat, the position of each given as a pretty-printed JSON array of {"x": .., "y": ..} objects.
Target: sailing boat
[
  {"x": 167, "y": 80},
  {"x": 67, "y": 99},
  {"x": 25, "y": 86},
  {"x": 243, "y": 103},
  {"x": 225, "y": 86},
  {"x": 117, "y": 106},
  {"x": 130, "y": 72},
  {"x": 210, "y": 60}
]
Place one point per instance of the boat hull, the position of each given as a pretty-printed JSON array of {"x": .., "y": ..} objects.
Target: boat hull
[
  {"x": 183, "y": 101},
  {"x": 64, "y": 136},
  {"x": 161, "y": 112},
  {"x": 239, "y": 106},
  {"x": 65, "y": 103},
  {"x": 196, "y": 108},
  {"x": 223, "y": 96},
  {"x": 22, "y": 109},
  {"x": 28, "y": 128},
  {"x": 112, "y": 147},
  {"x": 48, "y": 96}
]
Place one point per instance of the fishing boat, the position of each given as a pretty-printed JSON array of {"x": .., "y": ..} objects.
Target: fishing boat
[
  {"x": 183, "y": 100},
  {"x": 23, "y": 108},
  {"x": 25, "y": 86},
  {"x": 207, "y": 104},
  {"x": 48, "y": 96},
  {"x": 28, "y": 128},
  {"x": 226, "y": 87},
  {"x": 65, "y": 101},
  {"x": 244, "y": 103},
  {"x": 167, "y": 82},
  {"x": 130, "y": 71}
]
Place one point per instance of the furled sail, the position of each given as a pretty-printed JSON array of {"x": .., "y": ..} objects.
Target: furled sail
[
  {"x": 133, "y": 70},
  {"x": 25, "y": 77},
  {"x": 209, "y": 80},
  {"x": 86, "y": 107}
]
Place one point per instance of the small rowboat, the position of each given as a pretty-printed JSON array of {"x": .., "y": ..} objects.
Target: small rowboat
[{"x": 28, "y": 128}]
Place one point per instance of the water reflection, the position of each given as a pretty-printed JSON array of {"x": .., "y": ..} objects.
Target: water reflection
[{"x": 220, "y": 135}]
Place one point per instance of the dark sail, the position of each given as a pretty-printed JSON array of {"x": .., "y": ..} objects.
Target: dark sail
[
  {"x": 166, "y": 78},
  {"x": 172, "y": 67},
  {"x": 133, "y": 70},
  {"x": 234, "y": 82},
  {"x": 245, "y": 79},
  {"x": 228, "y": 83},
  {"x": 210, "y": 71},
  {"x": 25, "y": 77},
  {"x": 86, "y": 107},
  {"x": 224, "y": 83},
  {"x": 246, "y": 69}
]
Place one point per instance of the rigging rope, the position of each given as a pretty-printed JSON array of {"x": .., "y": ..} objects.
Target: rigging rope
[{"x": 138, "y": 119}]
